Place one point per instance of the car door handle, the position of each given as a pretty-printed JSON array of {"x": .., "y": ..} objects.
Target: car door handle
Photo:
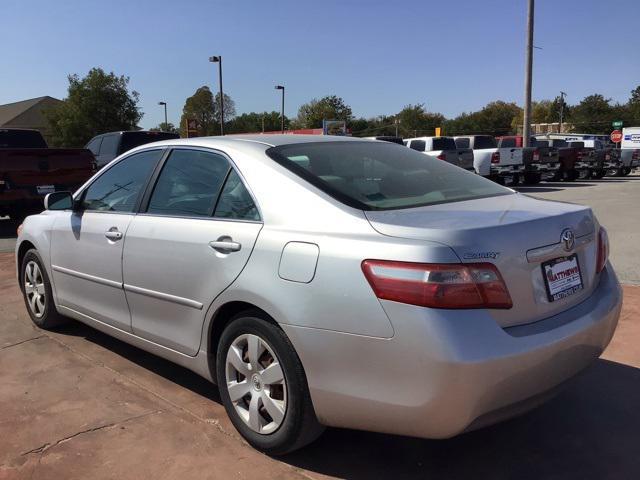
[
  {"x": 113, "y": 234},
  {"x": 225, "y": 245}
]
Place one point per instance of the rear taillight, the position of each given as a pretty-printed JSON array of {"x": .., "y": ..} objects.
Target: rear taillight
[
  {"x": 536, "y": 156},
  {"x": 603, "y": 249},
  {"x": 495, "y": 157},
  {"x": 442, "y": 156},
  {"x": 473, "y": 285}
]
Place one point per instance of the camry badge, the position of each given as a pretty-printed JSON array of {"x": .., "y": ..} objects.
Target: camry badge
[{"x": 568, "y": 238}]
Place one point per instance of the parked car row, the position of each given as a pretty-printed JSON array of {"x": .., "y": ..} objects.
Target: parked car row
[
  {"x": 29, "y": 169},
  {"x": 506, "y": 161}
]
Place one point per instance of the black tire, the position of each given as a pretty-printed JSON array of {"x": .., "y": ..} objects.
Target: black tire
[
  {"x": 532, "y": 178},
  {"x": 598, "y": 174},
  {"x": 49, "y": 317},
  {"x": 626, "y": 171},
  {"x": 571, "y": 175},
  {"x": 299, "y": 426}
]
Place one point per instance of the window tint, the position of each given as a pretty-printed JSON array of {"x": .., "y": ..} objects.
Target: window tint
[
  {"x": 21, "y": 139},
  {"x": 507, "y": 142},
  {"x": 381, "y": 175},
  {"x": 135, "y": 139},
  {"x": 443, "y": 143},
  {"x": 118, "y": 188},
  {"x": 109, "y": 144},
  {"x": 94, "y": 145},
  {"x": 189, "y": 184},
  {"x": 484, "y": 141},
  {"x": 418, "y": 145},
  {"x": 462, "y": 142},
  {"x": 235, "y": 201}
]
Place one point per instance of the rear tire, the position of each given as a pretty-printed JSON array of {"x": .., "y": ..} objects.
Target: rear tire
[
  {"x": 532, "y": 178},
  {"x": 275, "y": 430},
  {"x": 37, "y": 292},
  {"x": 626, "y": 171}
]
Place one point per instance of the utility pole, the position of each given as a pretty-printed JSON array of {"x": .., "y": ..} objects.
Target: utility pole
[
  {"x": 562, "y": 95},
  {"x": 526, "y": 130},
  {"x": 218, "y": 59}
]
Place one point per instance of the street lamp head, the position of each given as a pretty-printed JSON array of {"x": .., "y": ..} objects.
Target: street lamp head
[
  {"x": 215, "y": 58},
  {"x": 279, "y": 87},
  {"x": 162, "y": 103}
]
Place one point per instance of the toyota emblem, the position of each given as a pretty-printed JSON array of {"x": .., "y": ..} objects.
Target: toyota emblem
[{"x": 568, "y": 238}]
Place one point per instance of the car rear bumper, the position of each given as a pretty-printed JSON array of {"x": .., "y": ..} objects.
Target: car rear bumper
[
  {"x": 506, "y": 170},
  {"x": 446, "y": 371}
]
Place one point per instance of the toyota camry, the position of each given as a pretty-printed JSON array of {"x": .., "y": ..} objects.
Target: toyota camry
[{"x": 328, "y": 281}]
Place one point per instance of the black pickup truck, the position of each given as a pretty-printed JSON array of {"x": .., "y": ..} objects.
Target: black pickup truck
[
  {"x": 541, "y": 161},
  {"x": 29, "y": 170}
]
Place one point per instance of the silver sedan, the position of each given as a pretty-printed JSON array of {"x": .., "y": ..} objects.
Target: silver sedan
[{"x": 328, "y": 281}]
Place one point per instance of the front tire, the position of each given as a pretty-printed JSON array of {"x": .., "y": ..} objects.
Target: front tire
[
  {"x": 263, "y": 386},
  {"x": 37, "y": 292},
  {"x": 532, "y": 178}
]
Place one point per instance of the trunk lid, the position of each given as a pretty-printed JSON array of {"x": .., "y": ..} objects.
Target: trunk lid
[{"x": 516, "y": 233}]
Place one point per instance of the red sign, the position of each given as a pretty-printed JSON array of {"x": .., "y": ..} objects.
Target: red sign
[{"x": 616, "y": 136}]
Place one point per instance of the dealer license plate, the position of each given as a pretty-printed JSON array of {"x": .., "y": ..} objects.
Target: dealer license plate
[{"x": 562, "y": 277}]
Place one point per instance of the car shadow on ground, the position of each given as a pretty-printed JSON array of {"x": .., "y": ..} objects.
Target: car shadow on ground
[
  {"x": 591, "y": 430},
  {"x": 7, "y": 228}
]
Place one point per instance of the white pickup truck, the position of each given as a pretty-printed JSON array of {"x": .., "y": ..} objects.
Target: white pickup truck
[
  {"x": 630, "y": 151},
  {"x": 504, "y": 165},
  {"x": 443, "y": 148}
]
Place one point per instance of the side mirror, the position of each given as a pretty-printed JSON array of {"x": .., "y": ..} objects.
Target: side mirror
[{"x": 58, "y": 201}]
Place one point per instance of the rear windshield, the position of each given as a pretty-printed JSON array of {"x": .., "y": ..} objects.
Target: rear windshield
[
  {"x": 444, "y": 143},
  {"x": 135, "y": 139},
  {"x": 558, "y": 143},
  {"x": 21, "y": 139},
  {"x": 381, "y": 176},
  {"x": 484, "y": 142},
  {"x": 397, "y": 140}
]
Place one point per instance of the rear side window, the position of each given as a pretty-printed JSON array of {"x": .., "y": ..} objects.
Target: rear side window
[
  {"x": 109, "y": 144},
  {"x": 135, "y": 139},
  {"x": 21, "y": 139},
  {"x": 484, "y": 141},
  {"x": 382, "y": 176},
  {"x": 463, "y": 142},
  {"x": 444, "y": 143},
  {"x": 94, "y": 145},
  {"x": 418, "y": 145},
  {"x": 189, "y": 184},
  {"x": 235, "y": 201},
  {"x": 119, "y": 187}
]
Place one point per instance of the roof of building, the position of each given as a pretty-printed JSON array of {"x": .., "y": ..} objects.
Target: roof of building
[{"x": 10, "y": 111}]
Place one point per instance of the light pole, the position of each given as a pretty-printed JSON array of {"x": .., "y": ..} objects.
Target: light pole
[
  {"x": 218, "y": 59},
  {"x": 166, "y": 125},
  {"x": 562, "y": 95},
  {"x": 526, "y": 128},
  {"x": 281, "y": 87}
]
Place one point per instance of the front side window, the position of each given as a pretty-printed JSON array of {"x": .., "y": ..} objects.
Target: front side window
[
  {"x": 189, "y": 184},
  {"x": 120, "y": 186},
  {"x": 381, "y": 175}
]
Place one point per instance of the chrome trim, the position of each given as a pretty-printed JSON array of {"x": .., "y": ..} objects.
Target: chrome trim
[
  {"x": 86, "y": 276},
  {"x": 164, "y": 296},
  {"x": 549, "y": 252}
]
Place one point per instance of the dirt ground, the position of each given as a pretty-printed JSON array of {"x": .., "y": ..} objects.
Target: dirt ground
[{"x": 77, "y": 404}]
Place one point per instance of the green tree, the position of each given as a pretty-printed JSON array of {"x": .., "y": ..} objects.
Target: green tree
[
  {"x": 204, "y": 107},
  {"x": 253, "y": 122},
  {"x": 496, "y": 118},
  {"x": 332, "y": 107},
  {"x": 633, "y": 108},
  {"x": 95, "y": 104},
  {"x": 593, "y": 114},
  {"x": 414, "y": 120},
  {"x": 165, "y": 127}
]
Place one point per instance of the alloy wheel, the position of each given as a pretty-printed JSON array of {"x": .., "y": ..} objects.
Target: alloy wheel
[
  {"x": 34, "y": 289},
  {"x": 256, "y": 384}
]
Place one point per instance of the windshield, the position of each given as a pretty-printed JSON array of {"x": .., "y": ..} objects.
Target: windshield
[
  {"x": 381, "y": 176},
  {"x": 444, "y": 143}
]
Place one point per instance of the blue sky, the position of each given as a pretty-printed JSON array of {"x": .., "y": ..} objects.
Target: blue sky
[{"x": 454, "y": 56}]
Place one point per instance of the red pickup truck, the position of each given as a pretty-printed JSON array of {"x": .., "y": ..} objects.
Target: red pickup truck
[{"x": 29, "y": 170}]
